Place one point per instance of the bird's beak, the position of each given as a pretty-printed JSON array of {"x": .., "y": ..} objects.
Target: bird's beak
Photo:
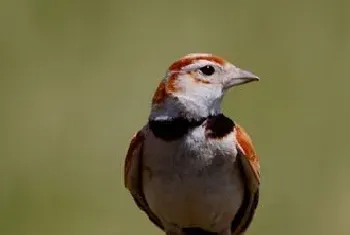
[{"x": 239, "y": 76}]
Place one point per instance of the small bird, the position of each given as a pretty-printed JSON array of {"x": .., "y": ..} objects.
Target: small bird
[{"x": 191, "y": 169}]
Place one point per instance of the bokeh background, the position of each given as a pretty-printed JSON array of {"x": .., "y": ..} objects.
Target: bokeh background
[{"x": 77, "y": 77}]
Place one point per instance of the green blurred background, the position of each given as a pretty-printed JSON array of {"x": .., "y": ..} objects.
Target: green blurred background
[{"x": 77, "y": 77}]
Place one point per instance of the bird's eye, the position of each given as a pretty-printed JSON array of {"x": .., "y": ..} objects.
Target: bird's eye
[{"x": 207, "y": 70}]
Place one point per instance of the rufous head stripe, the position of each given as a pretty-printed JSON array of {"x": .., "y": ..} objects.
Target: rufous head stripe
[{"x": 179, "y": 64}]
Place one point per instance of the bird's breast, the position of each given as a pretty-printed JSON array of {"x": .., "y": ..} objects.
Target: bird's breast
[{"x": 192, "y": 181}]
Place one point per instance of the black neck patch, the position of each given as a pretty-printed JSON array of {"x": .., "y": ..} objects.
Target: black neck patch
[
  {"x": 218, "y": 126},
  {"x": 173, "y": 129}
]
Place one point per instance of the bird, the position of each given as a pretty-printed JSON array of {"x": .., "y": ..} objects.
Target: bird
[{"x": 190, "y": 168}]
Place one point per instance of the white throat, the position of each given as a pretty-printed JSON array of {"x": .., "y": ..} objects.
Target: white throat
[
  {"x": 186, "y": 107},
  {"x": 191, "y": 100}
]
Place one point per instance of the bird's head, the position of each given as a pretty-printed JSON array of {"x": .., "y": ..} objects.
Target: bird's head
[{"x": 194, "y": 86}]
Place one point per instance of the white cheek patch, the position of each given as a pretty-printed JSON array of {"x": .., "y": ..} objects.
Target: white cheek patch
[
  {"x": 192, "y": 99},
  {"x": 199, "y": 99}
]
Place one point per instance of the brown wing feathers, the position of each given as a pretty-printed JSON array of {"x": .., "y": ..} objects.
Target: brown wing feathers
[
  {"x": 246, "y": 146},
  {"x": 250, "y": 169},
  {"x": 133, "y": 176}
]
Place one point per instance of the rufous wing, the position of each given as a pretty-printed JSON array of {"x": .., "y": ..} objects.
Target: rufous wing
[
  {"x": 250, "y": 169},
  {"x": 133, "y": 176},
  {"x": 250, "y": 158}
]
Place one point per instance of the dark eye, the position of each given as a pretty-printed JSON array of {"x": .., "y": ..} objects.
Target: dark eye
[{"x": 207, "y": 70}]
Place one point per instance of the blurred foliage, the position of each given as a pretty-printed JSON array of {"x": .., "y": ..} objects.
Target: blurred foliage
[{"x": 76, "y": 79}]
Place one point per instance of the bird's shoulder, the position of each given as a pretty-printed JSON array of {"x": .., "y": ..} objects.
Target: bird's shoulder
[{"x": 247, "y": 149}]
